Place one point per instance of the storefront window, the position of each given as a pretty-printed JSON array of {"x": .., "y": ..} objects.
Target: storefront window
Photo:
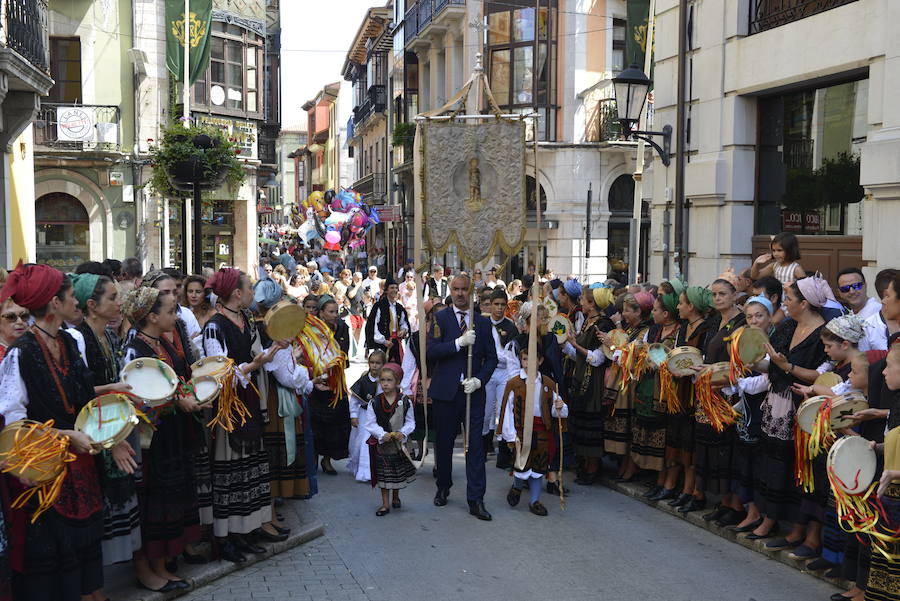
[
  {"x": 808, "y": 177},
  {"x": 63, "y": 231}
]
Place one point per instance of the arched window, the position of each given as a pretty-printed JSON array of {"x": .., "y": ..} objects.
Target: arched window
[
  {"x": 621, "y": 195},
  {"x": 63, "y": 231},
  {"x": 621, "y": 208},
  {"x": 530, "y": 204}
]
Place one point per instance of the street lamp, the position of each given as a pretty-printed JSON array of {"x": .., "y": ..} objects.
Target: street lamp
[{"x": 631, "y": 88}]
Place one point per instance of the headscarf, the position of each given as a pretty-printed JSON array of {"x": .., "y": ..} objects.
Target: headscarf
[
  {"x": 224, "y": 282},
  {"x": 267, "y": 292},
  {"x": 555, "y": 283},
  {"x": 849, "y": 327},
  {"x": 731, "y": 277},
  {"x": 84, "y": 285},
  {"x": 815, "y": 290},
  {"x": 700, "y": 297},
  {"x": 138, "y": 303},
  {"x": 325, "y": 299},
  {"x": 396, "y": 369},
  {"x": 670, "y": 303},
  {"x": 678, "y": 285},
  {"x": 152, "y": 277},
  {"x": 32, "y": 286},
  {"x": 762, "y": 300},
  {"x": 603, "y": 296},
  {"x": 572, "y": 288},
  {"x": 645, "y": 300}
]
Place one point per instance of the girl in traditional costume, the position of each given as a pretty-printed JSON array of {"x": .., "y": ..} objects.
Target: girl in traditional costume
[
  {"x": 389, "y": 421},
  {"x": 363, "y": 392}
]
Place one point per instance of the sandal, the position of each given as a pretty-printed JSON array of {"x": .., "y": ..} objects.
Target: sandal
[
  {"x": 383, "y": 511},
  {"x": 396, "y": 504}
]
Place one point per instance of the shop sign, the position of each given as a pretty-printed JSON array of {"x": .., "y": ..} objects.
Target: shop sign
[
  {"x": 808, "y": 222},
  {"x": 388, "y": 213},
  {"x": 244, "y": 133},
  {"x": 75, "y": 124}
]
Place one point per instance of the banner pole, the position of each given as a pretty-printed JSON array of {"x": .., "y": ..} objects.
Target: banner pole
[{"x": 186, "y": 90}]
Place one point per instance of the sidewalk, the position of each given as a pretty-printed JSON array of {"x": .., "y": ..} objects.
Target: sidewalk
[{"x": 122, "y": 586}]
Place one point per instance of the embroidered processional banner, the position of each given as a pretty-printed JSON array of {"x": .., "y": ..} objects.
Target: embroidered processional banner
[{"x": 472, "y": 183}]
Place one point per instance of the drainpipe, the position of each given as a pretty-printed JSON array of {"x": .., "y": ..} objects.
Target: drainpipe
[{"x": 680, "y": 149}]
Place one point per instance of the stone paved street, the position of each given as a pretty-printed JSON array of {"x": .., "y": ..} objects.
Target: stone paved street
[{"x": 604, "y": 546}]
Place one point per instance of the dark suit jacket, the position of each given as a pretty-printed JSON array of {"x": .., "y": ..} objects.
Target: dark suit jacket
[
  {"x": 450, "y": 363},
  {"x": 440, "y": 290}
]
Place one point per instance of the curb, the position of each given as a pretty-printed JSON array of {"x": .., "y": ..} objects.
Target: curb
[
  {"x": 201, "y": 575},
  {"x": 636, "y": 490}
]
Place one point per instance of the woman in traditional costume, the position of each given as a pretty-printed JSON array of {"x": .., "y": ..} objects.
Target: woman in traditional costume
[
  {"x": 795, "y": 350},
  {"x": 13, "y": 323},
  {"x": 58, "y": 556},
  {"x": 635, "y": 313},
  {"x": 170, "y": 514},
  {"x": 331, "y": 408},
  {"x": 586, "y": 386},
  {"x": 363, "y": 392},
  {"x": 99, "y": 300},
  {"x": 240, "y": 467}
]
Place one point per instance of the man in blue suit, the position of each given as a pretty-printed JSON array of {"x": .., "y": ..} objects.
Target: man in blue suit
[{"x": 448, "y": 346}]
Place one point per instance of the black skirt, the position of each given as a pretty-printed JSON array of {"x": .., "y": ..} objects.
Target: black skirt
[
  {"x": 775, "y": 493},
  {"x": 744, "y": 466},
  {"x": 391, "y": 469},
  {"x": 712, "y": 459},
  {"x": 331, "y": 425},
  {"x": 813, "y": 504},
  {"x": 883, "y": 583},
  {"x": 680, "y": 431}
]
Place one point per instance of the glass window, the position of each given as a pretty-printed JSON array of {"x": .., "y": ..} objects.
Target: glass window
[
  {"x": 808, "y": 177},
  {"x": 617, "y": 60},
  {"x": 523, "y": 25},
  {"x": 65, "y": 69},
  {"x": 498, "y": 28},
  {"x": 63, "y": 231},
  {"x": 522, "y": 67},
  {"x": 231, "y": 85},
  {"x": 500, "y": 75}
]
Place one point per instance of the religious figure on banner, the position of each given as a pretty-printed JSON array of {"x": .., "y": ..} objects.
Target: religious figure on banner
[{"x": 474, "y": 202}]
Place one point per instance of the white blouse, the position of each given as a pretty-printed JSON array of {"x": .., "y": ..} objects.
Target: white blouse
[{"x": 371, "y": 424}]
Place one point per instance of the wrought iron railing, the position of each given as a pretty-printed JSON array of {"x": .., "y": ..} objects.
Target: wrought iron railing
[
  {"x": 440, "y": 5},
  {"x": 426, "y": 9},
  {"x": 411, "y": 23},
  {"x": 768, "y": 14},
  {"x": 374, "y": 103},
  {"x": 24, "y": 29},
  {"x": 78, "y": 127}
]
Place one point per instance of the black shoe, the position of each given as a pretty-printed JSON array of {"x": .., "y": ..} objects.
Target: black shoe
[
  {"x": 625, "y": 480},
  {"x": 731, "y": 518},
  {"x": 180, "y": 584},
  {"x": 693, "y": 505},
  {"x": 245, "y": 546},
  {"x": 663, "y": 494},
  {"x": 513, "y": 496},
  {"x": 230, "y": 552},
  {"x": 655, "y": 490},
  {"x": 477, "y": 509},
  {"x": 194, "y": 559},
  {"x": 835, "y": 572},
  {"x": 330, "y": 471},
  {"x": 680, "y": 500},
  {"x": 718, "y": 514},
  {"x": 782, "y": 543},
  {"x": 440, "y": 497},
  {"x": 168, "y": 587},
  {"x": 396, "y": 504},
  {"x": 267, "y": 537},
  {"x": 840, "y": 597},
  {"x": 819, "y": 564},
  {"x": 537, "y": 508},
  {"x": 749, "y": 527},
  {"x": 281, "y": 530},
  {"x": 383, "y": 511},
  {"x": 768, "y": 534}
]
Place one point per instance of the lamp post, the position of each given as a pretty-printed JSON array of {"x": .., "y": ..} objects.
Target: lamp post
[{"x": 631, "y": 88}]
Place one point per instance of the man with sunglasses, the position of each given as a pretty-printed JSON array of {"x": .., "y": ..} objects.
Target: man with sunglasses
[{"x": 852, "y": 292}]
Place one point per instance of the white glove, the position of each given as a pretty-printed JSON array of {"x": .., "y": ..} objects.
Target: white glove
[
  {"x": 467, "y": 339},
  {"x": 470, "y": 385}
]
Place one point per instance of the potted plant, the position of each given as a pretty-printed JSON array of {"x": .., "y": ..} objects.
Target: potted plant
[{"x": 194, "y": 154}]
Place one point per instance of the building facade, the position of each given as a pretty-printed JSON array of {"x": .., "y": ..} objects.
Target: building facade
[
  {"x": 322, "y": 154},
  {"x": 790, "y": 125},
  {"x": 555, "y": 58},
  {"x": 291, "y": 173}
]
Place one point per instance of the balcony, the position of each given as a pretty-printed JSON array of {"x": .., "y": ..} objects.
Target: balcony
[
  {"x": 373, "y": 187},
  {"x": 82, "y": 127},
  {"x": 24, "y": 30},
  {"x": 373, "y": 104},
  {"x": 768, "y": 14},
  {"x": 426, "y": 12}
]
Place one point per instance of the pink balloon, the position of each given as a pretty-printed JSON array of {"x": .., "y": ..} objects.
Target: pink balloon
[{"x": 333, "y": 237}]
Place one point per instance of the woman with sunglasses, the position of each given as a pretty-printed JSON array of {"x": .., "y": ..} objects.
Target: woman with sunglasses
[{"x": 13, "y": 323}]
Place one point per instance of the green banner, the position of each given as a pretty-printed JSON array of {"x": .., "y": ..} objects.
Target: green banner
[
  {"x": 199, "y": 22},
  {"x": 636, "y": 33}
]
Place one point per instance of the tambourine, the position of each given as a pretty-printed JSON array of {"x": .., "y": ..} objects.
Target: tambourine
[
  {"x": 845, "y": 405},
  {"x": 807, "y": 412},
  {"x": 151, "y": 380},
  {"x": 617, "y": 339},
  {"x": 46, "y": 454},
  {"x": 751, "y": 345},
  {"x": 829, "y": 379},
  {"x": 682, "y": 359},
  {"x": 107, "y": 420},
  {"x": 559, "y": 326},
  {"x": 552, "y": 307},
  {"x": 853, "y": 464},
  {"x": 720, "y": 372},
  {"x": 657, "y": 353},
  {"x": 284, "y": 321},
  {"x": 216, "y": 366},
  {"x": 206, "y": 389}
]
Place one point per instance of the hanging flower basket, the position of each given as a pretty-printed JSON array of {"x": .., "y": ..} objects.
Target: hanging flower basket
[{"x": 194, "y": 155}]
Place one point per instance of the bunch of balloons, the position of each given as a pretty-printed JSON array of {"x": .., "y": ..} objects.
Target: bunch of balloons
[{"x": 340, "y": 219}]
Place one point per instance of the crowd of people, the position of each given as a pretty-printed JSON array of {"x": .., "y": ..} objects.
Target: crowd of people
[{"x": 201, "y": 475}]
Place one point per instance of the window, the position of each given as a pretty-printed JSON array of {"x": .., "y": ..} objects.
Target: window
[
  {"x": 808, "y": 157},
  {"x": 65, "y": 69},
  {"x": 521, "y": 51},
  {"x": 63, "y": 231},
  {"x": 618, "y": 46},
  {"x": 232, "y": 83}
]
